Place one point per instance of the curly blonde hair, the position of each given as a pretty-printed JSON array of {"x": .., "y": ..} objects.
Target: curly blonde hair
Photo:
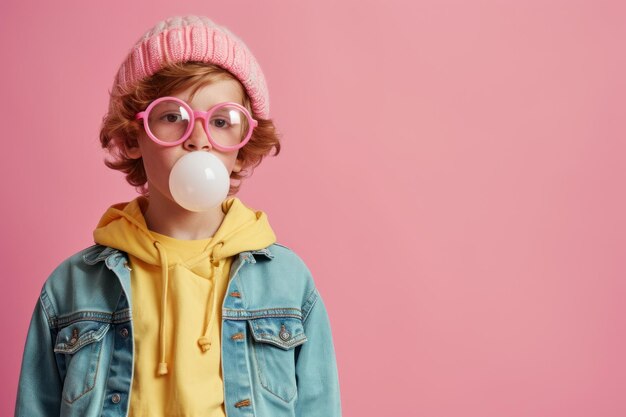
[{"x": 120, "y": 129}]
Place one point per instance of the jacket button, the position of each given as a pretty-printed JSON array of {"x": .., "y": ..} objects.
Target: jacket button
[
  {"x": 74, "y": 338},
  {"x": 284, "y": 334},
  {"x": 124, "y": 332},
  {"x": 116, "y": 398}
]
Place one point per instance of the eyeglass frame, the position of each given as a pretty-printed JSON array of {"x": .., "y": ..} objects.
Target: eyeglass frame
[{"x": 205, "y": 115}]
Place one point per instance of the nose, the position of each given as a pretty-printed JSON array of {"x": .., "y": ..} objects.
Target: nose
[{"x": 198, "y": 138}]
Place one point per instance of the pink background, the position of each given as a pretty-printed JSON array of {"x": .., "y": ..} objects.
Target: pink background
[{"x": 452, "y": 173}]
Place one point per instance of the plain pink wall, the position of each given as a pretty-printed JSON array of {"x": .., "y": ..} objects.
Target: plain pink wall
[{"x": 452, "y": 173}]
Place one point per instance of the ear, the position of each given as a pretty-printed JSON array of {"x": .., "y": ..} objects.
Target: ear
[{"x": 132, "y": 149}]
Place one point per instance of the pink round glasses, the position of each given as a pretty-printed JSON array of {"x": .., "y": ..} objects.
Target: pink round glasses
[{"x": 169, "y": 121}]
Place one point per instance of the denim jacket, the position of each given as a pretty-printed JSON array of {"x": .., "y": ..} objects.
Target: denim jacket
[{"x": 278, "y": 356}]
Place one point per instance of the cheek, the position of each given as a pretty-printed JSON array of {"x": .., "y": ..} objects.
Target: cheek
[
  {"x": 228, "y": 160},
  {"x": 158, "y": 162}
]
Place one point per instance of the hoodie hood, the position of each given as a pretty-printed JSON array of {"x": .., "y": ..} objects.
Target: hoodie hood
[{"x": 123, "y": 227}]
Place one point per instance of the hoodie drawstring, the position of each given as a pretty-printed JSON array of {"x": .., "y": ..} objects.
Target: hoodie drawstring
[
  {"x": 203, "y": 341},
  {"x": 162, "y": 369}
]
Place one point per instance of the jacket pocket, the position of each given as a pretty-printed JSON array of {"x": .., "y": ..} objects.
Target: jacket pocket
[
  {"x": 274, "y": 341},
  {"x": 80, "y": 345}
]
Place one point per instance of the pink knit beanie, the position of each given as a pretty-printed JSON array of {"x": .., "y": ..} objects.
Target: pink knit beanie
[{"x": 195, "y": 38}]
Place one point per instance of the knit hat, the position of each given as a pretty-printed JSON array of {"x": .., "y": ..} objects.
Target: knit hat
[{"x": 194, "y": 38}]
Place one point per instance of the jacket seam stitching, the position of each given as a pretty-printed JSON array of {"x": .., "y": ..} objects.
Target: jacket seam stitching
[
  {"x": 84, "y": 340},
  {"x": 297, "y": 310},
  {"x": 310, "y": 303},
  {"x": 242, "y": 294},
  {"x": 48, "y": 308}
]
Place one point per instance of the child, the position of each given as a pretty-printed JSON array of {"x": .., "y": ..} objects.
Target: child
[{"x": 185, "y": 305}]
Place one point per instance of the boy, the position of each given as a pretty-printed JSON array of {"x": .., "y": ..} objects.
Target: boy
[{"x": 184, "y": 306}]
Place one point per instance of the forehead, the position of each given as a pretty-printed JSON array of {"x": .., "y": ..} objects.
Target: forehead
[{"x": 216, "y": 90}]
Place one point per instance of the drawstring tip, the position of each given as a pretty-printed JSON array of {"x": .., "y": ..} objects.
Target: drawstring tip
[
  {"x": 204, "y": 343},
  {"x": 162, "y": 368}
]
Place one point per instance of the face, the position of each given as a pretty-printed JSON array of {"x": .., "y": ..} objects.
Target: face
[{"x": 158, "y": 160}]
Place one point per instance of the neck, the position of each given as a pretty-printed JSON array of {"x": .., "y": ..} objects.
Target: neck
[{"x": 166, "y": 217}]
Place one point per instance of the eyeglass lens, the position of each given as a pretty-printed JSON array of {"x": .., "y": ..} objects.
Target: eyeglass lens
[{"x": 168, "y": 121}]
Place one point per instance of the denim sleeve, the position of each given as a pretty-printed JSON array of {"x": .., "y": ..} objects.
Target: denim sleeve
[
  {"x": 39, "y": 389},
  {"x": 316, "y": 367}
]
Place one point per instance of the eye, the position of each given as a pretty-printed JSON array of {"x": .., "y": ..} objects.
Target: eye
[
  {"x": 221, "y": 123},
  {"x": 172, "y": 117}
]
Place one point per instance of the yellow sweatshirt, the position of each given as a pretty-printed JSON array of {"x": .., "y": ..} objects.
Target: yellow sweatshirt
[{"x": 177, "y": 291}]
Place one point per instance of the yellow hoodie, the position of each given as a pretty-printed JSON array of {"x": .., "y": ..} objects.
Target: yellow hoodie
[{"x": 194, "y": 274}]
